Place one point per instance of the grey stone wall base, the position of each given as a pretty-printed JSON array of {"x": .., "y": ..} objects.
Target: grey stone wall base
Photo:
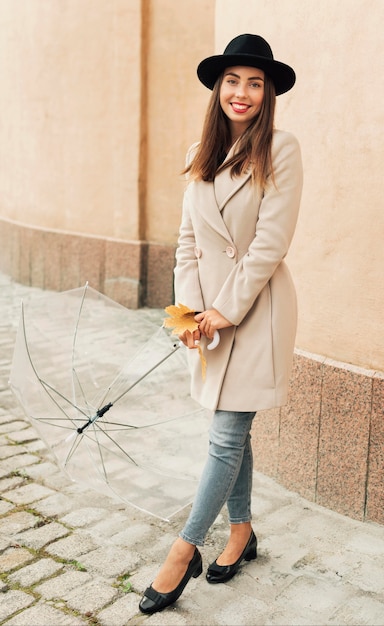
[
  {"x": 327, "y": 442},
  {"x": 133, "y": 273}
]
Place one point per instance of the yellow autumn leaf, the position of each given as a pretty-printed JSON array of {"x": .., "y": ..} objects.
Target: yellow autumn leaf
[
  {"x": 203, "y": 362},
  {"x": 181, "y": 318}
]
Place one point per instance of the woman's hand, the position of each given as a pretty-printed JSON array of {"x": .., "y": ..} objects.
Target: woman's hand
[
  {"x": 211, "y": 320},
  {"x": 191, "y": 340}
]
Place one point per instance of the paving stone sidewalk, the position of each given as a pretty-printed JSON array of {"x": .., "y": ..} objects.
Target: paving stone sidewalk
[{"x": 70, "y": 556}]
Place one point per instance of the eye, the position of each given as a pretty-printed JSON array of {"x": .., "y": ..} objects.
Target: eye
[{"x": 256, "y": 85}]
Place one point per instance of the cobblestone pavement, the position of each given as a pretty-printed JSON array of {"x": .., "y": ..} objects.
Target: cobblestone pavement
[{"x": 69, "y": 556}]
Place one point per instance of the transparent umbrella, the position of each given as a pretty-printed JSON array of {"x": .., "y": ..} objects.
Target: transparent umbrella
[{"x": 108, "y": 392}]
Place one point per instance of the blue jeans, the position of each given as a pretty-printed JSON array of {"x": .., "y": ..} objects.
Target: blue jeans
[{"x": 226, "y": 478}]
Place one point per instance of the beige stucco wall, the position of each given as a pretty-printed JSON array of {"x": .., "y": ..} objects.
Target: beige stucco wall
[
  {"x": 180, "y": 33},
  {"x": 336, "y": 111},
  {"x": 72, "y": 115},
  {"x": 99, "y": 104}
]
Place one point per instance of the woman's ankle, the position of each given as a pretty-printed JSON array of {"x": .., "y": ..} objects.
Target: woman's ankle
[
  {"x": 242, "y": 529},
  {"x": 174, "y": 566},
  {"x": 183, "y": 549},
  {"x": 238, "y": 538}
]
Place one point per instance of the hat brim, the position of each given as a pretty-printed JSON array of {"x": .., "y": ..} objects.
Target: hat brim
[{"x": 282, "y": 75}]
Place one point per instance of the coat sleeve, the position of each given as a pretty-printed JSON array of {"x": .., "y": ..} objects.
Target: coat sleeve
[
  {"x": 187, "y": 283},
  {"x": 186, "y": 273},
  {"x": 274, "y": 231}
]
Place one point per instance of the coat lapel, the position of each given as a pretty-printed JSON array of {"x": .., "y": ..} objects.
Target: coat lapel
[
  {"x": 225, "y": 186},
  {"x": 213, "y": 197},
  {"x": 204, "y": 195}
]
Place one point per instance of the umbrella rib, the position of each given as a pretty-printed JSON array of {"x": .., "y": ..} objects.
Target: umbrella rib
[
  {"x": 44, "y": 384},
  {"x": 74, "y": 344},
  {"x": 81, "y": 389},
  {"x": 78, "y": 317},
  {"x": 72, "y": 450},
  {"x": 75, "y": 406},
  {"x": 99, "y": 451},
  {"x": 106, "y": 423},
  {"x": 115, "y": 442},
  {"x": 46, "y": 420}
]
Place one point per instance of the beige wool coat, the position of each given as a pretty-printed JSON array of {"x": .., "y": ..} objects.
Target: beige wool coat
[{"x": 230, "y": 257}]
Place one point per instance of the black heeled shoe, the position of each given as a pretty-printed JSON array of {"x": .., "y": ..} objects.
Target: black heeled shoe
[
  {"x": 221, "y": 573},
  {"x": 154, "y": 601}
]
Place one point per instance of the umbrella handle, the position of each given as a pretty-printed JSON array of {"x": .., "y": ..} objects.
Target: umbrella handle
[
  {"x": 215, "y": 341},
  {"x": 211, "y": 346}
]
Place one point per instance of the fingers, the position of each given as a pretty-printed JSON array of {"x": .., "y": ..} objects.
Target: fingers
[
  {"x": 189, "y": 339},
  {"x": 211, "y": 320},
  {"x": 207, "y": 329},
  {"x": 206, "y": 325},
  {"x": 208, "y": 332}
]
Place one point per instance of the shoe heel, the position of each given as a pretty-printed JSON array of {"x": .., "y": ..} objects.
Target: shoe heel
[
  {"x": 198, "y": 570},
  {"x": 251, "y": 554}
]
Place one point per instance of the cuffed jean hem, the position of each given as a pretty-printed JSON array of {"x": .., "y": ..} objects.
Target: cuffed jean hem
[
  {"x": 240, "y": 521},
  {"x": 194, "y": 542}
]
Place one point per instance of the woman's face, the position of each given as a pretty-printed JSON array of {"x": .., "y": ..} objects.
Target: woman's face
[{"x": 241, "y": 96}]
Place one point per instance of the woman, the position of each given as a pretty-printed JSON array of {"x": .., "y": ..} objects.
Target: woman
[{"x": 239, "y": 215}]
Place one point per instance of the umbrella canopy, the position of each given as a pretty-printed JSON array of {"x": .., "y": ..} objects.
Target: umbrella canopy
[{"x": 108, "y": 392}]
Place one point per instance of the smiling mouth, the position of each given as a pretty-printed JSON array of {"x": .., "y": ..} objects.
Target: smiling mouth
[{"x": 239, "y": 108}]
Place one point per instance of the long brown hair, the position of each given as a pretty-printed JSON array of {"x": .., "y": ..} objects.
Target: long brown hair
[{"x": 254, "y": 145}]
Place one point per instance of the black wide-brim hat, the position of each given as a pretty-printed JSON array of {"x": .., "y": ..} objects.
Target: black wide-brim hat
[{"x": 251, "y": 51}]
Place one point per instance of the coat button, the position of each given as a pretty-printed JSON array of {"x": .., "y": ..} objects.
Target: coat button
[
  {"x": 198, "y": 252},
  {"x": 230, "y": 252}
]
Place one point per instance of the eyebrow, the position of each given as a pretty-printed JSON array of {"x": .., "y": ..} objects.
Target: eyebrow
[{"x": 250, "y": 78}]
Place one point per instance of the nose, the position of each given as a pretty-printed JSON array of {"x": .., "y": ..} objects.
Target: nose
[{"x": 240, "y": 90}]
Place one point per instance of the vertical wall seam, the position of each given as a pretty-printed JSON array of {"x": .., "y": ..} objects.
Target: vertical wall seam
[
  {"x": 143, "y": 151},
  {"x": 365, "y": 512},
  {"x": 277, "y": 473},
  {"x": 319, "y": 430},
  {"x": 143, "y": 142}
]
